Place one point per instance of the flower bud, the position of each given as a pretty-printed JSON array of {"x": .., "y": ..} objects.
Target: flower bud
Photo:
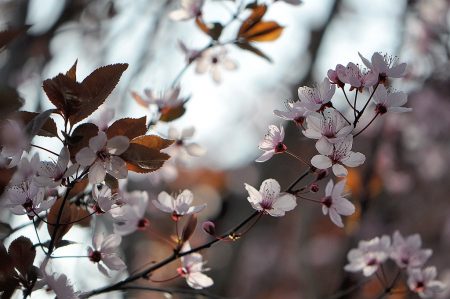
[
  {"x": 314, "y": 187},
  {"x": 209, "y": 227}
]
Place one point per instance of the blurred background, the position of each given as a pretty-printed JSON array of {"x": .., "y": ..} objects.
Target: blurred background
[{"x": 402, "y": 186}]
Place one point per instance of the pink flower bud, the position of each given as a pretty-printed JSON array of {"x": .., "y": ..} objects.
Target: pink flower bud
[{"x": 209, "y": 227}]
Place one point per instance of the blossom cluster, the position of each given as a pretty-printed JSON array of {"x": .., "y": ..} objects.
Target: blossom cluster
[
  {"x": 408, "y": 255},
  {"x": 333, "y": 132}
]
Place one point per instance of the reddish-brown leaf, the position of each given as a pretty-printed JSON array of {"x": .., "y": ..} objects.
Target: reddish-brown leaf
[
  {"x": 152, "y": 141},
  {"x": 251, "y": 48},
  {"x": 96, "y": 88},
  {"x": 64, "y": 93},
  {"x": 66, "y": 217},
  {"x": 171, "y": 113},
  {"x": 263, "y": 32},
  {"x": 143, "y": 159},
  {"x": 7, "y": 36},
  {"x": 189, "y": 229},
  {"x": 48, "y": 129},
  {"x": 80, "y": 138},
  {"x": 72, "y": 73},
  {"x": 257, "y": 14},
  {"x": 22, "y": 254},
  {"x": 78, "y": 188},
  {"x": 213, "y": 30},
  {"x": 112, "y": 183},
  {"x": 129, "y": 127}
]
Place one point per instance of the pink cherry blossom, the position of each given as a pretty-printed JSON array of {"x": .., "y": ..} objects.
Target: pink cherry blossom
[
  {"x": 189, "y": 9},
  {"x": 407, "y": 253},
  {"x": 422, "y": 282},
  {"x": 104, "y": 253},
  {"x": 162, "y": 100},
  {"x": 269, "y": 200},
  {"x": 182, "y": 148},
  {"x": 272, "y": 143},
  {"x": 296, "y": 113},
  {"x": 357, "y": 78},
  {"x": 104, "y": 199},
  {"x": 213, "y": 60},
  {"x": 334, "y": 204},
  {"x": 28, "y": 199},
  {"x": 334, "y": 77},
  {"x": 179, "y": 206},
  {"x": 328, "y": 126},
  {"x": 58, "y": 283},
  {"x": 389, "y": 101},
  {"x": 51, "y": 174},
  {"x": 369, "y": 255},
  {"x": 27, "y": 170},
  {"x": 192, "y": 269},
  {"x": 384, "y": 66},
  {"x": 316, "y": 98},
  {"x": 129, "y": 217},
  {"x": 337, "y": 155},
  {"x": 102, "y": 156}
]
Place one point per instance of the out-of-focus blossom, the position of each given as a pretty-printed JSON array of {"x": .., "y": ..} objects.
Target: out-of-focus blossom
[
  {"x": 58, "y": 283},
  {"x": 13, "y": 141},
  {"x": 296, "y": 113},
  {"x": 129, "y": 217},
  {"x": 272, "y": 143},
  {"x": 337, "y": 155},
  {"x": 334, "y": 204},
  {"x": 389, "y": 102},
  {"x": 422, "y": 282},
  {"x": 356, "y": 78},
  {"x": 179, "y": 206},
  {"x": 269, "y": 200},
  {"x": 384, "y": 66},
  {"x": 369, "y": 255},
  {"x": 105, "y": 251},
  {"x": 168, "y": 99},
  {"x": 102, "y": 156},
  {"x": 328, "y": 126},
  {"x": 316, "y": 98},
  {"x": 190, "y": 54},
  {"x": 213, "y": 60},
  {"x": 189, "y": 9},
  {"x": 181, "y": 148},
  {"x": 51, "y": 174},
  {"x": 407, "y": 253},
  {"x": 192, "y": 269},
  {"x": 28, "y": 199}
]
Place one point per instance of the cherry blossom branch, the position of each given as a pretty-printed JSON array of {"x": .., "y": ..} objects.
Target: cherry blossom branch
[
  {"x": 174, "y": 256},
  {"x": 370, "y": 122},
  {"x": 12, "y": 231},
  {"x": 301, "y": 177},
  {"x": 42, "y": 148},
  {"x": 360, "y": 113},
  {"x": 348, "y": 101},
  {"x": 351, "y": 289},
  {"x": 171, "y": 291}
]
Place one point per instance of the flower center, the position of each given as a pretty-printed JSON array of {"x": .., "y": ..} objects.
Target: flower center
[
  {"x": 103, "y": 155},
  {"x": 266, "y": 204},
  {"x": 95, "y": 256},
  {"x": 420, "y": 286},
  {"x": 28, "y": 205},
  {"x": 327, "y": 201},
  {"x": 380, "y": 109},
  {"x": 372, "y": 262},
  {"x": 143, "y": 223},
  {"x": 280, "y": 147}
]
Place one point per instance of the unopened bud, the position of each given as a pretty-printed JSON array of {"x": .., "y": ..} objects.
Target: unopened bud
[
  {"x": 209, "y": 227},
  {"x": 314, "y": 187}
]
